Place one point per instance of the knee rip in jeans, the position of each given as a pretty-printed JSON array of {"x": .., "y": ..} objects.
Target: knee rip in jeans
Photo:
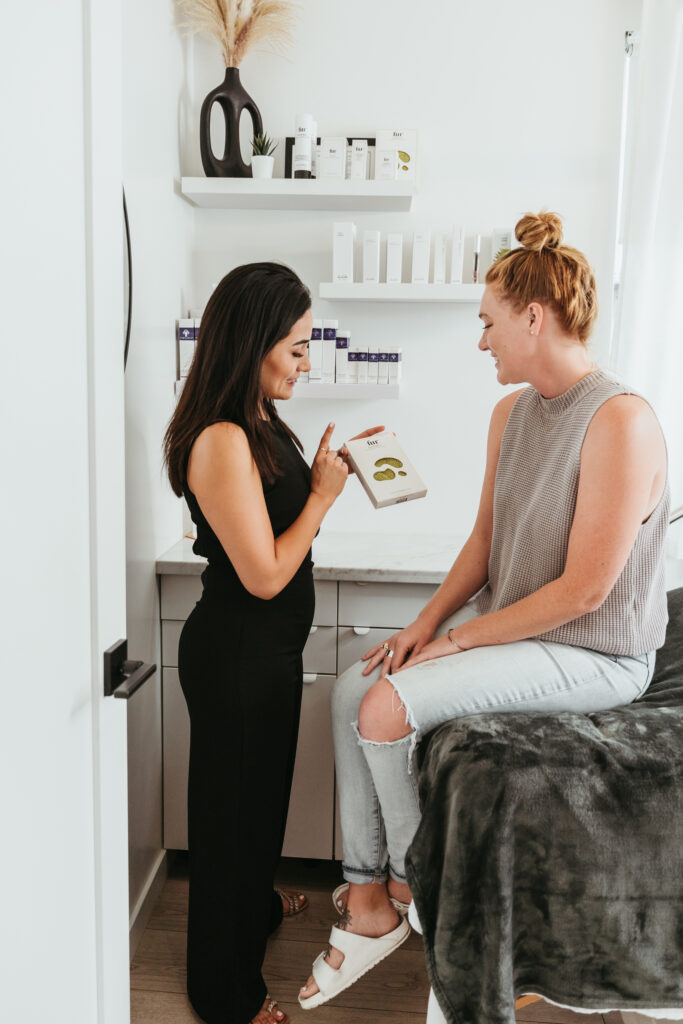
[{"x": 410, "y": 740}]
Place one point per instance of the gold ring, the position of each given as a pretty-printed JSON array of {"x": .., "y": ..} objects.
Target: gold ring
[
  {"x": 323, "y": 450},
  {"x": 385, "y": 647}
]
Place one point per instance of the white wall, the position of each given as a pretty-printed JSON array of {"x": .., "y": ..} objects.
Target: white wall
[
  {"x": 517, "y": 108},
  {"x": 155, "y": 77}
]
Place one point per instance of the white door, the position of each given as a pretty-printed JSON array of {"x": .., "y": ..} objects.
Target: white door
[{"x": 63, "y": 855}]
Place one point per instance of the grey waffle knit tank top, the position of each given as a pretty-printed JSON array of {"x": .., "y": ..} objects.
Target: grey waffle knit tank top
[{"x": 533, "y": 508}]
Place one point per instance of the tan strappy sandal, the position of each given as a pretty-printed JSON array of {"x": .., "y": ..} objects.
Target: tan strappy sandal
[
  {"x": 270, "y": 1006},
  {"x": 296, "y": 901}
]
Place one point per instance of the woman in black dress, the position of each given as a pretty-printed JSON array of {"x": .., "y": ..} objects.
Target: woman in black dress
[{"x": 257, "y": 507}]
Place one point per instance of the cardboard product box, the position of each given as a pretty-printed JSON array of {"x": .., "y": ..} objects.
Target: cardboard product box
[{"x": 384, "y": 470}]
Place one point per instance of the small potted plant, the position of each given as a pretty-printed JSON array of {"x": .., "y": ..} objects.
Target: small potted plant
[{"x": 262, "y": 161}]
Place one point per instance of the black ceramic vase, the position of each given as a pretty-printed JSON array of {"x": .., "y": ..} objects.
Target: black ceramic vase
[{"x": 233, "y": 99}]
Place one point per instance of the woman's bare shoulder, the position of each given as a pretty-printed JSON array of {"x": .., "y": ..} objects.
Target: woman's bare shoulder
[
  {"x": 221, "y": 446},
  {"x": 626, "y": 413},
  {"x": 220, "y": 437},
  {"x": 502, "y": 409},
  {"x": 626, "y": 427}
]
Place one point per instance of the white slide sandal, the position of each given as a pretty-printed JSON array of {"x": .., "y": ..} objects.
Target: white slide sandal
[
  {"x": 361, "y": 954},
  {"x": 402, "y": 908}
]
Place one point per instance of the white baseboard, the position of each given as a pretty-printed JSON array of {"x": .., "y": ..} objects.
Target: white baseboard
[{"x": 144, "y": 906}]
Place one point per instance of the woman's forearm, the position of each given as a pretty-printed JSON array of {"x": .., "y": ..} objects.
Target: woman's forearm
[
  {"x": 292, "y": 546},
  {"x": 467, "y": 575},
  {"x": 551, "y": 606}
]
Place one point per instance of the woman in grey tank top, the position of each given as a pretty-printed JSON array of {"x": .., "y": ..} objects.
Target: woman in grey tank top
[{"x": 555, "y": 603}]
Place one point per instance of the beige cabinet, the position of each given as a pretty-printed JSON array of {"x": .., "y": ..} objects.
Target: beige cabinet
[{"x": 349, "y": 618}]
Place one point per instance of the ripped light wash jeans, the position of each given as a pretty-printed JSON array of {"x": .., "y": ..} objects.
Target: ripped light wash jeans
[{"x": 377, "y": 783}]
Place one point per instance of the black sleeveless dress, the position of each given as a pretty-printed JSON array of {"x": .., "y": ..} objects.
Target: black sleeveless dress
[{"x": 240, "y": 669}]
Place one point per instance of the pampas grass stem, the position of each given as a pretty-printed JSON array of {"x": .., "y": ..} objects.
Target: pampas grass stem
[{"x": 238, "y": 25}]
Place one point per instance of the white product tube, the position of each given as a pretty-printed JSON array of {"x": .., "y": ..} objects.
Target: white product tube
[
  {"x": 440, "y": 249},
  {"x": 329, "y": 350},
  {"x": 359, "y": 160},
  {"x": 362, "y": 365},
  {"x": 394, "y": 259},
  {"x": 371, "y": 257},
  {"x": 421, "y": 253},
  {"x": 341, "y": 370},
  {"x": 343, "y": 240},
  {"x": 373, "y": 364},
  {"x": 457, "y": 254}
]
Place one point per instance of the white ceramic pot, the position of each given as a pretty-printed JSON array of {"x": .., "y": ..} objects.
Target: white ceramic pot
[{"x": 262, "y": 166}]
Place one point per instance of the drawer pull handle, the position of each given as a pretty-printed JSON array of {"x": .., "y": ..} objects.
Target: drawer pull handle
[
  {"x": 361, "y": 630},
  {"x": 310, "y": 677},
  {"x": 313, "y": 629}
]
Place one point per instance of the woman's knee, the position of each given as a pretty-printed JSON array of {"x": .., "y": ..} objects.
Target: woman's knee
[
  {"x": 382, "y": 717},
  {"x": 348, "y": 692}
]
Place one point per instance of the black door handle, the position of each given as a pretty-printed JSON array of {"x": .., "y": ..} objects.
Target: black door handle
[{"x": 121, "y": 676}]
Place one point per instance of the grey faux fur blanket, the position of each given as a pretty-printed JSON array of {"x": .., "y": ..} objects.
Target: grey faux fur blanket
[{"x": 550, "y": 854}]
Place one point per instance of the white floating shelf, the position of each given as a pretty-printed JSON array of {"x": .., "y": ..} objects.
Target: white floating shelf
[
  {"x": 296, "y": 194},
  {"x": 371, "y": 392},
  {"x": 402, "y": 292}
]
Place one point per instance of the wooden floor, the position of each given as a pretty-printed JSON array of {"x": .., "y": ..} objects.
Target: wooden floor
[{"x": 395, "y": 992}]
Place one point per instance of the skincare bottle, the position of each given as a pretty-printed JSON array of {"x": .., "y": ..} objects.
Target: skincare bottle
[
  {"x": 362, "y": 364},
  {"x": 315, "y": 151},
  {"x": 475, "y": 259},
  {"x": 383, "y": 366},
  {"x": 371, "y": 257},
  {"x": 373, "y": 364},
  {"x": 501, "y": 242},
  {"x": 185, "y": 346},
  {"x": 329, "y": 350},
  {"x": 395, "y": 363},
  {"x": 359, "y": 160},
  {"x": 185, "y": 329},
  {"x": 440, "y": 248},
  {"x": 343, "y": 239},
  {"x": 303, "y": 145},
  {"x": 332, "y": 158},
  {"x": 341, "y": 370},
  {"x": 352, "y": 366},
  {"x": 421, "y": 250},
  {"x": 394, "y": 259},
  {"x": 315, "y": 352},
  {"x": 457, "y": 254}
]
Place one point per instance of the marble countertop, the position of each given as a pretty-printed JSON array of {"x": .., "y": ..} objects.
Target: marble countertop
[{"x": 362, "y": 557}]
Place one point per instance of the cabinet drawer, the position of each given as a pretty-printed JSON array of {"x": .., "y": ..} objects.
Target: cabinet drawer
[
  {"x": 325, "y": 603},
  {"x": 310, "y": 821},
  {"x": 320, "y": 652},
  {"x": 179, "y": 595},
  {"x": 390, "y": 605},
  {"x": 176, "y": 732},
  {"x": 352, "y": 647},
  {"x": 170, "y": 635}
]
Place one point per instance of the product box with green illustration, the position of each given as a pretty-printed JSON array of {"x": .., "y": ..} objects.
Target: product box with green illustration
[
  {"x": 383, "y": 469},
  {"x": 402, "y": 144}
]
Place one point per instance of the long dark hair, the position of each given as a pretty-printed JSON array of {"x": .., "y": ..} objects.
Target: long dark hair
[{"x": 253, "y": 307}]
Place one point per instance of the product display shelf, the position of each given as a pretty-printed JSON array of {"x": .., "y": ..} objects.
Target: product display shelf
[
  {"x": 296, "y": 194},
  {"x": 359, "y": 292},
  {"x": 370, "y": 392}
]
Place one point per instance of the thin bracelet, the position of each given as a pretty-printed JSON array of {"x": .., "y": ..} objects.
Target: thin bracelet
[{"x": 454, "y": 642}]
